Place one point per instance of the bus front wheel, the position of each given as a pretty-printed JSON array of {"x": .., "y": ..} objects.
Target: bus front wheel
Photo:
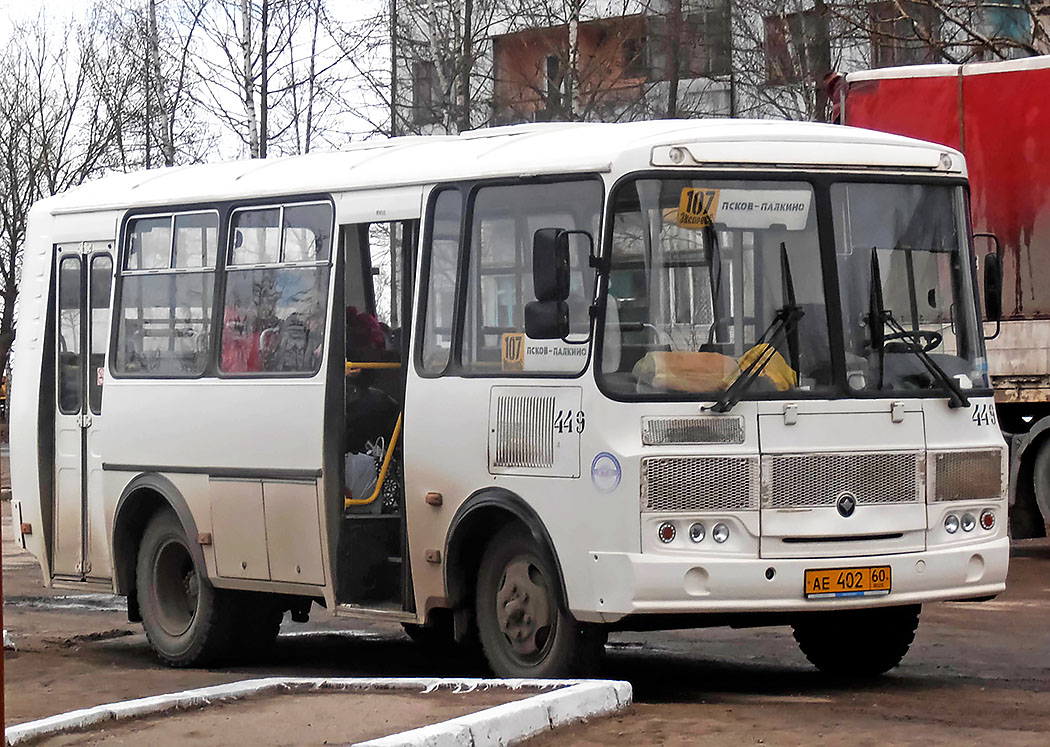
[
  {"x": 857, "y": 643},
  {"x": 524, "y": 626},
  {"x": 188, "y": 621}
]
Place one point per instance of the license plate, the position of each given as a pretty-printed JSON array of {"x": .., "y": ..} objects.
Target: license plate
[{"x": 848, "y": 582}]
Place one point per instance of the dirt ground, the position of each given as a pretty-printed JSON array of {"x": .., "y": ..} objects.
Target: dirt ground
[{"x": 977, "y": 673}]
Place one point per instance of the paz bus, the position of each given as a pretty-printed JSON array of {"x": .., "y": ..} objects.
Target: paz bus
[{"x": 641, "y": 376}]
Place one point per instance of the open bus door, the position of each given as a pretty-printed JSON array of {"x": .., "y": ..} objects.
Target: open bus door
[{"x": 84, "y": 278}]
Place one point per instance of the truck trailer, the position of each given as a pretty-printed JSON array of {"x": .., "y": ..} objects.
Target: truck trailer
[{"x": 998, "y": 115}]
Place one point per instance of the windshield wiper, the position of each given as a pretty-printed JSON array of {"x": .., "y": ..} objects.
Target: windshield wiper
[
  {"x": 784, "y": 324},
  {"x": 879, "y": 316}
]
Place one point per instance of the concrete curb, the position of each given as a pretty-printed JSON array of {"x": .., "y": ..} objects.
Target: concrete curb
[{"x": 559, "y": 702}]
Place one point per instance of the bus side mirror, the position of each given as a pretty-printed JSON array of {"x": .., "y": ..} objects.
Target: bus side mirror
[
  {"x": 993, "y": 287},
  {"x": 547, "y": 320},
  {"x": 550, "y": 264},
  {"x": 993, "y": 284}
]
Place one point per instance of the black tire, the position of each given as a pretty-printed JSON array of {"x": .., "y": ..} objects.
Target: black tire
[
  {"x": 523, "y": 623},
  {"x": 189, "y": 623},
  {"x": 857, "y": 643}
]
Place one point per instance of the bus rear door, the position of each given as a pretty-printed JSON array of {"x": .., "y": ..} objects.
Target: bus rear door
[{"x": 85, "y": 273}]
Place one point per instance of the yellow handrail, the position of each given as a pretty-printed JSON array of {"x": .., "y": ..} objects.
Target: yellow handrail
[
  {"x": 348, "y": 502},
  {"x": 351, "y": 365}
]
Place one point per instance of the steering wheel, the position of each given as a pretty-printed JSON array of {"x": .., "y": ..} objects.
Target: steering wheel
[{"x": 930, "y": 338}]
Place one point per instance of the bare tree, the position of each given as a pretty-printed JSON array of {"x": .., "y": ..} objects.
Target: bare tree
[{"x": 53, "y": 136}]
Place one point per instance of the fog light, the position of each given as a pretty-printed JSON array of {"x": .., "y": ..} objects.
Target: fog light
[
  {"x": 968, "y": 522},
  {"x": 987, "y": 519},
  {"x": 667, "y": 532},
  {"x": 951, "y": 523},
  {"x": 697, "y": 532},
  {"x": 720, "y": 533}
]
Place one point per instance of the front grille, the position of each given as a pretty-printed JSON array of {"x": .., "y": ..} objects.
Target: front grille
[
  {"x": 524, "y": 431},
  {"x": 968, "y": 475},
  {"x": 813, "y": 480},
  {"x": 699, "y": 484},
  {"x": 726, "y": 429}
]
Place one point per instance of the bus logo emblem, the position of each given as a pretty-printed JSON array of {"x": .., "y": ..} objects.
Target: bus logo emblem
[
  {"x": 513, "y": 351},
  {"x": 846, "y": 503}
]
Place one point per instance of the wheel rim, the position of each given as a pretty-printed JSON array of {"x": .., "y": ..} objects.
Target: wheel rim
[
  {"x": 177, "y": 588},
  {"x": 524, "y": 610}
]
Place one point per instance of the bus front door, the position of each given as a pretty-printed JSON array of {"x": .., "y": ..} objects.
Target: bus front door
[{"x": 79, "y": 547}]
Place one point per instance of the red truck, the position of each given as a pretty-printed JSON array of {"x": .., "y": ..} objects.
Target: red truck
[{"x": 998, "y": 115}]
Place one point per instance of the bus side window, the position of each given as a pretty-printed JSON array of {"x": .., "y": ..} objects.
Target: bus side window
[
  {"x": 69, "y": 321},
  {"x": 441, "y": 281},
  {"x": 277, "y": 289},
  {"x": 100, "y": 279}
]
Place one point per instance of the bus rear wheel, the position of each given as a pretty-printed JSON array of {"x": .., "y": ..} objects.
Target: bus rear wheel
[
  {"x": 857, "y": 643},
  {"x": 524, "y": 626},
  {"x": 188, "y": 621}
]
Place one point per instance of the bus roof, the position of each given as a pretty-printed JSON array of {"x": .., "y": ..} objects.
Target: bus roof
[{"x": 517, "y": 150}]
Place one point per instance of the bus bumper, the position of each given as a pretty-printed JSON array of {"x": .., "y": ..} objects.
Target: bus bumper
[{"x": 654, "y": 583}]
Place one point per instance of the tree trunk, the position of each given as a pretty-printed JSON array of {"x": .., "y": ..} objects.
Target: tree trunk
[
  {"x": 673, "y": 29},
  {"x": 167, "y": 147},
  {"x": 573, "y": 87},
  {"x": 466, "y": 66},
  {"x": 247, "y": 81},
  {"x": 393, "y": 68},
  {"x": 822, "y": 62},
  {"x": 264, "y": 79}
]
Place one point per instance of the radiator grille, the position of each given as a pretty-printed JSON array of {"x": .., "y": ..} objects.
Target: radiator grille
[
  {"x": 700, "y": 430},
  {"x": 699, "y": 484},
  {"x": 812, "y": 480},
  {"x": 524, "y": 431},
  {"x": 968, "y": 475}
]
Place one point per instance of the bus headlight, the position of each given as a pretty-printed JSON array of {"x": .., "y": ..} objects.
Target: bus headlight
[
  {"x": 697, "y": 532},
  {"x": 968, "y": 522},
  {"x": 720, "y": 533},
  {"x": 951, "y": 523}
]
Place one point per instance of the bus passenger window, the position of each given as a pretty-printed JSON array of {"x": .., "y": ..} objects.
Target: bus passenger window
[
  {"x": 167, "y": 283},
  {"x": 69, "y": 375},
  {"x": 277, "y": 290}
]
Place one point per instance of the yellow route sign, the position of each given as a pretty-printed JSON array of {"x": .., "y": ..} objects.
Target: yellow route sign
[{"x": 697, "y": 207}]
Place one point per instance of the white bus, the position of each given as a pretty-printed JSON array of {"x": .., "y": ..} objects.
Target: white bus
[{"x": 642, "y": 376}]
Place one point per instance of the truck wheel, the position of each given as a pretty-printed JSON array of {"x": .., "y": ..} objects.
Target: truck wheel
[
  {"x": 524, "y": 626},
  {"x": 188, "y": 621},
  {"x": 857, "y": 643}
]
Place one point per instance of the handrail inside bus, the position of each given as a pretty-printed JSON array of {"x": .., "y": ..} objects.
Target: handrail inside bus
[
  {"x": 358, "y": 365},
  {"x": 387, "y": 458}
]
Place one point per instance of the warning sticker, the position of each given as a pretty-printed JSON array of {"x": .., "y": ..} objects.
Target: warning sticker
[
  {"x": 513, "y": 347},
  {"x": 744, "y": 208},
  {"x": 697, "y": 208}
]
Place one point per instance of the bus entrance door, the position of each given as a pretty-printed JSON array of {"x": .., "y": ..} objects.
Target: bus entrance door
[{"x": 85, "y": 273}]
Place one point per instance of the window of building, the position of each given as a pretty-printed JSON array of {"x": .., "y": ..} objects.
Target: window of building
[
  {"x": 276, "y": 292},
  {"x": 903, "y": 33},
  {"x": 702, "y": 43},
  {"x": 166, "y": 295},
  {"x": 792, "y": 47},
  {"x": 635, "y": 57},
  {"x": 426, "y": 92}
]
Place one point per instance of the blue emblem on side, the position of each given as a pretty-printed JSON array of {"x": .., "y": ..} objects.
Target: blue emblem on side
[{"x": 605, "y": 472}]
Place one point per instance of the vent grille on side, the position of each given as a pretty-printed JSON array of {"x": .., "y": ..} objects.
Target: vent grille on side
[
  {"x": 968, "y": 475},
  {"x": 811, "y": 480},
  {"x": 700, "y": 430},
  {"x": 699, "y": 484},
  {"x": 524, "y": 431}
]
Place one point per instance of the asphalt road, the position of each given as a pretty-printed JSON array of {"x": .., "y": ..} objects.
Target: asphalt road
[{"x": 978, "y": 672}]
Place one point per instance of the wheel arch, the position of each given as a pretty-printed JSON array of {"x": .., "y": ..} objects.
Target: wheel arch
[
  {"x": 143, "y": 497},
  {"x": 479, "y": 518}
]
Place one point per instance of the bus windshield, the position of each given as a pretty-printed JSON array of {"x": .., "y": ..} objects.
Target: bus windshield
[
  {"x": 715, "y": 280},
  {"x": 903, "y": 269},
  {"x": 712, "y": 277}
]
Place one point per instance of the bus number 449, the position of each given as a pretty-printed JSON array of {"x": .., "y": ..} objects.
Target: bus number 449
[{"x": 570, "y": 421}]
